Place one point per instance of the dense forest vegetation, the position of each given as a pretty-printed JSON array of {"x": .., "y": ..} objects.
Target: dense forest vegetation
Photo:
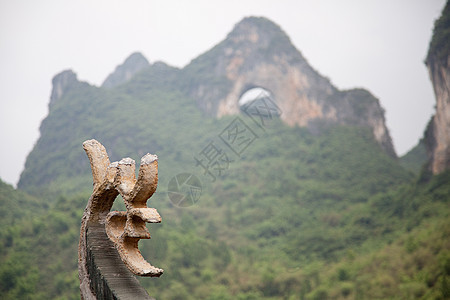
[{"x": 297, "y": 215}]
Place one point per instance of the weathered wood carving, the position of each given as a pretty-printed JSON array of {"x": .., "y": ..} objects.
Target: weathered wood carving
[{"x": 114, "y": 234}]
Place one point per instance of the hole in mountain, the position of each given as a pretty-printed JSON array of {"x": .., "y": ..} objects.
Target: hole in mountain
[
  {"x": 259, "y": 101},
  {"x": 252, "y": 95}
]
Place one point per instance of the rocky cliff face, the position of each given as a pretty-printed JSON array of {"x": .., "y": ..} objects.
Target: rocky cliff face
[
  {"x": 438, "y": 64},
  {"x": 132, "y": 65},
  {"x": 62, "y": 82},
  {"x": 257, "y": 53}
]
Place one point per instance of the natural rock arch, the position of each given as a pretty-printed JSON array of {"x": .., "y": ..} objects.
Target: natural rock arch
[
  {"x": 257, "y": 52},
  {"x": 253, "y": 93}
]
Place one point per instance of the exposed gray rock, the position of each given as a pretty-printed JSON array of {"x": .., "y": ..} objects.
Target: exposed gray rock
[
  {"x": 62, "y": 82},
  {"x": 135, "y": 63},
  {"x": 437, "y": 136}
]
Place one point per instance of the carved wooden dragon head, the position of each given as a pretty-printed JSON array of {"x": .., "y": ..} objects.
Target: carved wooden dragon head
[{"x": 124, "y": 228}]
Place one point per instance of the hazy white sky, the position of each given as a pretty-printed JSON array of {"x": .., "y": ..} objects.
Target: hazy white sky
[{"x": 376, "y": 44}]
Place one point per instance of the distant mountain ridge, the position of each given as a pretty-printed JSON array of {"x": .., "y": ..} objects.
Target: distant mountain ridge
[
  {"x": 132, "y": 65},
  {"x": 256, "y": 53}
]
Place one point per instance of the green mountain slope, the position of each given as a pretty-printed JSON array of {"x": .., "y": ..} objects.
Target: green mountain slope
[
  {"x": 128, "y": 125},
  {"x": 248, "y": 239},
  {"x": 416, "y": 158},
  {"x": 38, "y": 254},
  {"x": 16, "y": 206}
]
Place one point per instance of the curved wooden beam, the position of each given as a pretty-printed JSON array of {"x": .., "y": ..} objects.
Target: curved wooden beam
[{"x": 109, "y": 240}]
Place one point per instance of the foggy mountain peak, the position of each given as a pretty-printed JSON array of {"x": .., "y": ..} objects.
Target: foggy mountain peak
[
  {"x": 61, "y": 84},
  {"x": 258, "y": 54},
  {"x": 124, "y": 72},
  {"x": 257, "y": 30}
]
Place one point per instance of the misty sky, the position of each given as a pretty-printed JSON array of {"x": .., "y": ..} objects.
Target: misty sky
[{"x": 376, "y": 44}]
